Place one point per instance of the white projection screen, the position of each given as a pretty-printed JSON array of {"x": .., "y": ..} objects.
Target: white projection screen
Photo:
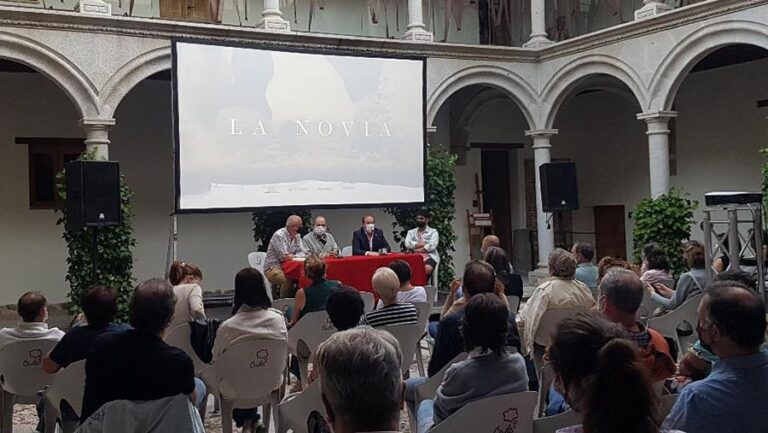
[{"x": 258, "y": 128}]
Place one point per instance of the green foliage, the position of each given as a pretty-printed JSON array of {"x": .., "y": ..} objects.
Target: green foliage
[
  {"x": 764, "y": 185},
  {"x": 665, "y": 220},
  {"x": 267, "y": 222},
  {"x": 441, "y": 185},
  {"x": 114, "y": 258}
]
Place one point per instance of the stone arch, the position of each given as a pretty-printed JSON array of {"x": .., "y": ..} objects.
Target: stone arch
[
  {"x": 130, "y": 74},
  {"x": 75, "y": 84},
  {"x": 562, "y": 83},
  {"x": 684, "y": 56},
  {"x": 508, "y": 82}
]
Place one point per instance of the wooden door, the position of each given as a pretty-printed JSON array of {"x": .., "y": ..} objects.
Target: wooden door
[
  {"x": 610, "y": 232},
  {"x": 497, "y": 196}
]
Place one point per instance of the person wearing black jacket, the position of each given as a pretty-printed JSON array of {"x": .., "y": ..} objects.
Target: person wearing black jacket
[{"x": 369, "y": 241}]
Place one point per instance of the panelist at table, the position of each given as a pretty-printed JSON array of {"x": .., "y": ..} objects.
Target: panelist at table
[
  {"x": 285, "y": 244},
  {"x": 319, "y": 242},
  {"x": 369, "y": 241}
]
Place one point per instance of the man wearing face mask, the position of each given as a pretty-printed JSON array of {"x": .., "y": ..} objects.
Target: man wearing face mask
[
  {"x": 319, "y": 242},
  {"x": 734, "y": 397},
  {"x": 369, "y": 241},
  {"x": 423, "y": 240}
]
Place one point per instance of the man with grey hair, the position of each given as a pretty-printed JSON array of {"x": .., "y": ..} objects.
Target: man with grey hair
[
  {"x": 319, "y": 242},
  {"x": 285, "y": 244},
  {"x": 360, "y": 380}
]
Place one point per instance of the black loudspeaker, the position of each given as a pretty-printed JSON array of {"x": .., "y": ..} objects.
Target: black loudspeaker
[
  {"x": 558, "y": 186},
  {"x": 93, "y": 194}
]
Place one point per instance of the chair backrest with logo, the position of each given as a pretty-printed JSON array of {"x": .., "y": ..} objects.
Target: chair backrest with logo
[
  {"x": 20, "y": 366},
  {"x": 253, "y": 368},
  {"x": 500, "y": 413}
]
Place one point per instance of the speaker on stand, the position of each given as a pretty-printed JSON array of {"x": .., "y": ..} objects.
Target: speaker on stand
[
  {"x": 93, "y": 199},
  {"x": 559, "y": 190}
]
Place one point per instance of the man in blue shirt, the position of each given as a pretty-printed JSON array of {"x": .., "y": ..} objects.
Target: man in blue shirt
[
  {"x": 734, "y": 397},
  {"x": 586, "y": 272}
]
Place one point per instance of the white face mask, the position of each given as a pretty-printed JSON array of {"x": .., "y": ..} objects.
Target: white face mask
[
  {"x": 369, "y": 227},
  {"x": 319, "y": 230}
]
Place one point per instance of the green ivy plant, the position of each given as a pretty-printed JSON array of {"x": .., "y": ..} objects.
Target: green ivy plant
[
  {"x": 114, "y": 245},
  {"x": 665, "y": 220},
  {"x": 764, "y": 183},
  {"x": 440, "y": 201},
  {"x": 267, "y": 222}
]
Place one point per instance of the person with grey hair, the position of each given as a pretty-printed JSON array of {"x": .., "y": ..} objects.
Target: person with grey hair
[
  {"x": 387, "y": 285},
  {"x": 285, "y": 245},
  {"x": 559, "y": 291},
  {"x": 320, "y": 242},
  {"x": 361, "y": 384}
]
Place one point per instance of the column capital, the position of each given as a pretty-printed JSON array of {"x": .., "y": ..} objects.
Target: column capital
[
  {"x": 656, "y": 116},
  {"x": 96, "y": 123},
  {"x": 541, "y": 133}
]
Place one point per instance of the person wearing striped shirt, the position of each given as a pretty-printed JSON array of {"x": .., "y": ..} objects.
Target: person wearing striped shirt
[{"x": 386, "y": 284}]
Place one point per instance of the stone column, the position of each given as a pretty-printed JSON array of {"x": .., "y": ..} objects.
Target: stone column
[
  {"x": 658, "y": 149},
  {"x": 272, "y": 17},
  {"x": 651, "y": 8},
  {"x": 546, "y": 235},
  {"x": 538, "y": 26},
  {"x": 97, "y": 136},
  {"x": 417, "y": 31}
]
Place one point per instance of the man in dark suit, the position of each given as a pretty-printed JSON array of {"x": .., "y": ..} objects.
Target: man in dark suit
[{"x": 369, "y": 241}]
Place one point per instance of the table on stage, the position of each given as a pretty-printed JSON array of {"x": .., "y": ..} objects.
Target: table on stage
[{"x": 357, "y": 271}]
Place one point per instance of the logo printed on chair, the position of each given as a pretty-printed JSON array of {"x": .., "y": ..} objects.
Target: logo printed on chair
[
  {"x": 262, "y": 357},
  {"x": 510, "y": 421},
  {"x": 328, "y": 325},
  {"x": 35, "y": 358}
]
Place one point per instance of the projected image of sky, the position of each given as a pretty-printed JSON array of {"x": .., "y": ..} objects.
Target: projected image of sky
[{"x": 264, "y": 128}]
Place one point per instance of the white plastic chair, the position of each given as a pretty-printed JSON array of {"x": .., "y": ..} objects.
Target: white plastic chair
[
  {"x": 431, "y": 293},
  {"x": 424, "y": 310},
  {"x": 542, "y": 339},
  {"x": 428, "y": 389},
  {"x": 283, "y": 304},
  {"x": 67, "y": 387},
  {"x": 551, "y": 424},
  {"x": 181, "y": 337},
  {"x": 311, "y": 330},
  {"x": 669, "y": 324},
  {"x": 21, "y": 375},
  {"x": 514, "y": 303},
  {"x": 408, "y": 335},
  {"x": 368, "y": 300},
  {"x": 293, "y": 412},
  {"x": 346, "y": 251},
  {"x": 250, "y": 374},
  {"x": 434, "y": 278},
  {"x": 647, "y": 307},
  {"x": 500, "y": 413},
  {"x": 256, "y": 260}
]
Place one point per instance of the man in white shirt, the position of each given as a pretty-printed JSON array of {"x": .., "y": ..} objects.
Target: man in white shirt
[
  {"x": 424, "y": 240},
  {"x": 285, "y": 244},
  {"x": 33, "y": 310}
]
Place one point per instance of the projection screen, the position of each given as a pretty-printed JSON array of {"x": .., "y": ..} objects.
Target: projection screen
[{"x": 259, "y": 128}]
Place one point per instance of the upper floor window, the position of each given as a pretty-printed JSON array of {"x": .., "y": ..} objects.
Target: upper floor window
[{"x": 47, "y": 157}]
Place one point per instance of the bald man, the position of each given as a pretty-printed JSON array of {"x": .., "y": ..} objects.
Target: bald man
[
  {"x": 493, "y": 241},
  {"x": 284, "y": 246}
]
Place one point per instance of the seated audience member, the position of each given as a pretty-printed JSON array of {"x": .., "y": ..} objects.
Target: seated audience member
[
  {"x": 284, "y": 245},
  {"x": 655, "y": 267},
  {"x": 559, "y": 291},
  {"x": 252, "y": 316},
  {"x": 186, "y": 279},
  {"x": 387, "y": 286},
  {"x": 313, "y": 297},
  {"x": 424, "y": 240},
  {"x": 586, "y": 271},
  {"x": 484, "y": 330},
  {"x": 99, "y": 306},
  {"x": 490, "y": 241},
  {"x": 621, "y": 294},
  {"x": 478, "y": 278},
  {"x": 734, "y": 397},
  {"x": 32, "y": 307},
  {"x": 407, "y": 292},
  {"x": 345, "y": 306},
  {"x": 320, "y": 242},
  {"x": 348, "y": 357},
  {"x": 137, "y": 364},
  {"x": 689, "y": 284},
  {"x": 369, "y": 241},
  {"x": 499, "y": 260},
  {"x": 607, "y": 263},
  {"x": 606, "y": 383}
]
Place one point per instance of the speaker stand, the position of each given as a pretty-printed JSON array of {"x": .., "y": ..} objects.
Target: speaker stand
[{"x": 94, "y": 254}]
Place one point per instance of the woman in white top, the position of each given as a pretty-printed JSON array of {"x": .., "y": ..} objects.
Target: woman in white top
[
  {"x": 407, "y": 292},
  {"x": 186, "y": 279},
  {"x": 253, "y": 317}
]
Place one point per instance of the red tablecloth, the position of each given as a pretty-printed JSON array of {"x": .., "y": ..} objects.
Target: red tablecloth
[{"x": 357, "y": 271}]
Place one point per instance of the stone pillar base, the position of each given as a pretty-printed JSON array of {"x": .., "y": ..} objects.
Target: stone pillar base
[
  {"x": 537, "y": 42},
  {"x": 650, "y": 10},
  {"x": 418, "y": 35},
  {"x": 275, "y": 24},
  {"x": 537, "y": 276},
  {"x": 94, "y": 7}
]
